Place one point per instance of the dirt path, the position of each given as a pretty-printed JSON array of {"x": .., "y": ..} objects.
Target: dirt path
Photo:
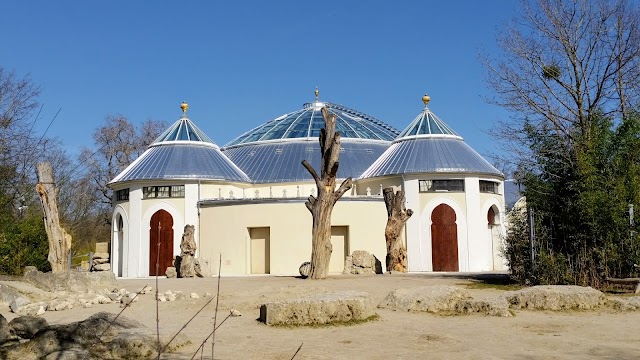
[{"x": 397, "y": 335}]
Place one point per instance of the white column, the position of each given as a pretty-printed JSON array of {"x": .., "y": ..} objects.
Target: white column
[
  {"x": 132, "y": 250},
  {"x": 475, "y": 256},
  {"x": 191, "y": 199},
  {"x": 416, "y": 258}
]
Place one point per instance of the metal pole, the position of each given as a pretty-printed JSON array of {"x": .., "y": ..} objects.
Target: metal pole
[{"x": 532, "y": 233}]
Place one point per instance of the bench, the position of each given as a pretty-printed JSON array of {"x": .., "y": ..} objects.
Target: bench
[{"x": 626, "y": 281}]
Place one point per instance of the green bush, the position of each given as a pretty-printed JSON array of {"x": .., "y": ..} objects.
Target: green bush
[{"x": 23, "y": 242}]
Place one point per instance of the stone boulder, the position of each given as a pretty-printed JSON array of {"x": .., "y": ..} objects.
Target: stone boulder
[
  {"x": 556, "y": 297},
  {"x": 123, "y": 339},
  {"x": 187, "y": 253},
  {"x": 305, "y": 269},
  {"x": 101, "y": 255},
  {"x": 171, "y": 272},
  {"x": 32, "y": 309},
  {"x": 59, "y": 305},
  {"x": 5, "y": 330},
  {"x": 202, "y": 268},
  {"x": 26, "y": 327},
  {"x": 339, "y": 307},
  {"x": 17, "y": 303},
  {"x": 8, "y": 295},
  {"x": 433, "y": 299},
  {"x": 361, "y": 262},
  {"x": 78, "y": 282},
  {"x": 101, "y": 267},
  {"x": 496, "y": 306},
  {"x": 624, "y": 303}
]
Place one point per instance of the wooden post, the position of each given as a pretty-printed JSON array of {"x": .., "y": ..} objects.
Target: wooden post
[
  {"x": 397, "y": 216},
  {"x": 322, "y": 206},
  {"x": 59, "y": 239}
]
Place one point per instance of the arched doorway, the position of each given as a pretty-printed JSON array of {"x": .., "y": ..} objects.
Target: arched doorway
[
  {"x": 120, "y": 244},
  {"x": 493, "y": 224},
  {"x": 444, "y": 239},
  {"x": 160, "y": 230}
]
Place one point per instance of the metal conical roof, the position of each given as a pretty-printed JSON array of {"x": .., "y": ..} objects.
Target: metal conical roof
[
  {"x": 428, "y": 145},
  {"x": 182, "y": 152}
]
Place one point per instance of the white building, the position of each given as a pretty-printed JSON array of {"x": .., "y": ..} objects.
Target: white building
[{"x": 246, "y": 199}]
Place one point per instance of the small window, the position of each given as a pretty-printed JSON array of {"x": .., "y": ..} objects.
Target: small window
[
  {"x": 122, "y": 195},
  {"x": 456, "y": 185},
  {"x": 488, "y": 187},
  {"x": 177, "y": 191},
  {"x": 150, "y": 192}
]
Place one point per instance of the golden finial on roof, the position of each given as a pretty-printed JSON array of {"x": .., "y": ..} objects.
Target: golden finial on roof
[
  {"x": 425, "y": 99},
  {"x": 317, "y": 93},
  {"x": 184, "y": 106}
]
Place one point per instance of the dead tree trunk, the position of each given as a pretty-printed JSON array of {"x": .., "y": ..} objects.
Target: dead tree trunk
[
  {"x": 322, "y": 206},
  {"x": 397, "y": 216},
  {"x": 59, "y": 240}
]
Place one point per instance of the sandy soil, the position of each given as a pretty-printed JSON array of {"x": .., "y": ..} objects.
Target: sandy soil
[{"x": 602, "y": 334}]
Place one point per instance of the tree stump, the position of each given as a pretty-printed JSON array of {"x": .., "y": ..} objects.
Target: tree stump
[
  {"x": 59, "y": 239},
  {"x": 187, "y": 252},
  {"x": 322, "y": 206},
  {"x": 397, "y": 216}
]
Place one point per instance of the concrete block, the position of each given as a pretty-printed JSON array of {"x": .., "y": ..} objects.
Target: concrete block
[
  {"x": 431, "y": 299},
  {"x": 102, "y": 247},
  {"x": 319, "y": 309}
]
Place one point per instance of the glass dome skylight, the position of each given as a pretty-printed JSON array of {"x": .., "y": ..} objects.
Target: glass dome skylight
[
  {"x": 183, "y": 130},
  {"x": 307, "y": 122},
  {"x": 427, "y": 123}
]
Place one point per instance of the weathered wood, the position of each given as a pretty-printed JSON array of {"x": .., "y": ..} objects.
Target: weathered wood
[
  {"x": 626, "y": 281},
  {"x": 397, "y": 216},
  {"x": 59, "y": 239},
  {"x": 327, "y": 196}
]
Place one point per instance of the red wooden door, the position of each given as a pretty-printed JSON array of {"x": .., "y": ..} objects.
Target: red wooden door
[
  {"x": 164, "y": 235},
  {"x": 491, "y": 216},
  {"x": 444, "y": 239}
]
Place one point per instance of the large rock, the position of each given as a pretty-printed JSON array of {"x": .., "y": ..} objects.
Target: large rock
[
  {"x": 101, "y": 267},
  {"x": 123, "y": 339},
  {"x": 496, "y": 306},
  {"x": 102, "y": 247},
  {"x": 5, "y": 332},
  {"x": 624, "y": 303},
  {"x": 26, "y": 327},
  {"x": 8, "y": 295},
  {"x": 319, "y": 309},
  {"x": 18, "y": 302},
  {"x": 187, "y": 252},
  {"x": 100, "y": 255},
  {"x": 360, "y": 262},
  {"x": 433, "y": 299},
  {"x": 71, "y": 281},
  {"x": 171, "y": 272},
  {"x": 59, "y": 305},
  {"x": 202, "y": 267},
  {"x": 31, "y": 309},
  {"x": 556, "y": 297}
]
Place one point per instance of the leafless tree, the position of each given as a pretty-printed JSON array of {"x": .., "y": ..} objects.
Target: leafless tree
[
  {"x": 321, "y": 206},
  {"x": 561, "y": 61},
  {"x": 118, "y": 143},
  {"x": 18, "y": 147}
]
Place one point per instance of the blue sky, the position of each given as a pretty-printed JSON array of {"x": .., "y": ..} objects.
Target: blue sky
[{"x": 239, "y": 64}]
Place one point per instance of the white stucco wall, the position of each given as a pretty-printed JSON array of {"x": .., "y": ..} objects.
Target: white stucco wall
[{"x": 226, "y": 229}]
